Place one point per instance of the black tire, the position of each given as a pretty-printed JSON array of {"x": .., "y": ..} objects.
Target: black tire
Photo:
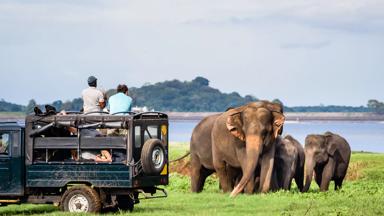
[
  {"x": 125, "y": 202},
  {"x": 80, "y": 199},
  {"x": 153, "y": 157}
]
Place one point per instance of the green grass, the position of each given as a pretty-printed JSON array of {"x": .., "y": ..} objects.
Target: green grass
[
  {"x": 177, "y": 150},
  {"x": 12, "y": 114},
  {"x": 363, "y": 195}
]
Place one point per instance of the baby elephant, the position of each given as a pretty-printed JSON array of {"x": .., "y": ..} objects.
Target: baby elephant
[
  {"x": 328, "y": 156},
  {"x": 289, "y": 163}
]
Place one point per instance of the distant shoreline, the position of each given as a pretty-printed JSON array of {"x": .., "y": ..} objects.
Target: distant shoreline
[
  {"x": 290, "y": 116},
  {"x": 293, "y": 116}
]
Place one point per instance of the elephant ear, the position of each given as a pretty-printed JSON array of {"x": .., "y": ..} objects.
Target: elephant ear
[
  {"x": 235, "y": 124},
  {"x": 278, "y": 122},
  {"x": 331, "y": 146}
]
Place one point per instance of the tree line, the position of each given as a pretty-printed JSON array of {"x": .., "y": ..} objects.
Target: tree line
[{"x": 189, "y": 96}]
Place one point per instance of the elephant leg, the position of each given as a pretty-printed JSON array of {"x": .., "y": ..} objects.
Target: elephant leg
[
  {"x": 318, "y": 174},
  {"x": 198, "y": 174},
  {"x": 257, "y": 179},
  {"x": 234, "y": 174},
  {"x": 338, "y": 183},
  {"x": 224, "y": 178},
  {"x": 340, "y": 173},
  {"x": 287, "y": 179},
  {"x": 195, "y": 174},
  {"x": 266, "y": 169},
  {"x": 274, "y": 181},
  {"x": 299, "y": 178},
  {"x": 327, "y": 174},
  {"x": 257, "y": 183}
]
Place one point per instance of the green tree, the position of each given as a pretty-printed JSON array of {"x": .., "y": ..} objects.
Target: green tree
[
  {"x": 277, "y": 101},
  {"x": 10, "y": 107},
  {"x": 201, "y": 81},
  {"x": 58, "y": 104},
  {"x": 77, "y": 104},
  {"x": 376, "y": 106},
  {"x": 187, "y": 96},
  {"x": 67, "y": 105},
  {"x": 31, "y": 105}
]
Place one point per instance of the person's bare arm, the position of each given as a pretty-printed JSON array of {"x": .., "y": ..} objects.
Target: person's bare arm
[
  {"x": 102, "y": 99},
  {"x": 102, "y": 104},
  {"x": 104, "y": 157}
]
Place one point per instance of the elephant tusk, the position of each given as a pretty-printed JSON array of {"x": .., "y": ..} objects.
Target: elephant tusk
[{"x": 235, "y": 191}]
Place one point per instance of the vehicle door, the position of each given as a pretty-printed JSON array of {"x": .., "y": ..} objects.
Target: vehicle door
[{"x": 11, "y": 162}]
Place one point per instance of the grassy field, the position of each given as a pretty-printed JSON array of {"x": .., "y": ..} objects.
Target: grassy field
[
  {"x": 12, "y": 115},
  {"x": 362, "y": 194}
]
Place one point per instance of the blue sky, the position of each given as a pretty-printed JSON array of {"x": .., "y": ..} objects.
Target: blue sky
[{"x": 304, "y": 52}]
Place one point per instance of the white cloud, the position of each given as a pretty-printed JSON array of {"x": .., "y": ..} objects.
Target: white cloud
[{"x": 261, "y": 43}]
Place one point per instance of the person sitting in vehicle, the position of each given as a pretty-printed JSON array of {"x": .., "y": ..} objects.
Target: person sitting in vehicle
[
  {"x": 120, "y": 102},
  {"x": 93, "y": 155},
  {"x": 93, "y": 98}
]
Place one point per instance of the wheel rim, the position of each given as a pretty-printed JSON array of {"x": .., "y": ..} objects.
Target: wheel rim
[
  {"x": 157, "y": 157},
  {"x": 78, "y": 203}
]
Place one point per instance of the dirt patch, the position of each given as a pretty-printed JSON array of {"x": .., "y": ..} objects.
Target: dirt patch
[
  {"x": 355, "y": 170},
  {"x": 182, "y": 167}
]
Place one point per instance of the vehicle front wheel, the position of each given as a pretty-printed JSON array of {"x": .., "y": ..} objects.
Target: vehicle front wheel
[{"x": 80, "y": 199}]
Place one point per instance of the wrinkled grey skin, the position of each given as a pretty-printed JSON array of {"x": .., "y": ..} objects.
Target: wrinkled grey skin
[
  {"x": 201, "y": 150},
  {"x": 289, "y": 163},
  {"x": 242, "y": 136},
  {"x": 328, "y": 157},
  {"x": 201, "y": 153}
]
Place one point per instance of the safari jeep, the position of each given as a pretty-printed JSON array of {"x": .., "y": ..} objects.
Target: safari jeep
[{"x": 53, "y": 159}]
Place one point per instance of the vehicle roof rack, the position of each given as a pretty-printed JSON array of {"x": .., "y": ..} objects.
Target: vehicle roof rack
[
  {"x": 12, "y": 124},
  {"x": 148, "y": 115},
  {"x": 8, "y": 122}
]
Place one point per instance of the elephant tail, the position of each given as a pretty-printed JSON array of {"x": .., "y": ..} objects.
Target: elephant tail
[{"x": 180, "y": 158}]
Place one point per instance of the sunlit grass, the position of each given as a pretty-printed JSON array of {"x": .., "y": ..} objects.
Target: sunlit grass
[
  {"x": 12, "y": 114},
  {"x": 362, "y": 194}
]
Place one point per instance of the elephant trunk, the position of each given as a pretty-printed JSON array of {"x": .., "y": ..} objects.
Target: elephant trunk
[
  {"x": 309, "y": 167},
  {"x": 253, "y": 149}
]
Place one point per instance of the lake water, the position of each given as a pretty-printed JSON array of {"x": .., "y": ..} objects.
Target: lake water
[{"x": 362, "y": 136}]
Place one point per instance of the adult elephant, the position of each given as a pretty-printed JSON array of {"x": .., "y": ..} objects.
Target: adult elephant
[
  {"x": 289, "y": 163},
  {"x": 201, "y": 149},
  {"x": 240, "y": 137},
  {"x": 328, "y": 156}
]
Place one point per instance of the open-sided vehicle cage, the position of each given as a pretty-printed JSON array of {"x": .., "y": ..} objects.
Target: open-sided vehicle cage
[{"x": 137, "y": 140}]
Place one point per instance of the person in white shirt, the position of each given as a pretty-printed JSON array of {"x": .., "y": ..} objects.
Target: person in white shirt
[{"x": 93, "y": 98}]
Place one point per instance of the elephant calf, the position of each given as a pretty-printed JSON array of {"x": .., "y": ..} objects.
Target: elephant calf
[
  {"x": 289, "y": 163},
  {"x": 328, "y": 156}
]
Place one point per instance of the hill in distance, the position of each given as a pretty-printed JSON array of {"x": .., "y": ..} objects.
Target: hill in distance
[{"x": 189, "y": 96}]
